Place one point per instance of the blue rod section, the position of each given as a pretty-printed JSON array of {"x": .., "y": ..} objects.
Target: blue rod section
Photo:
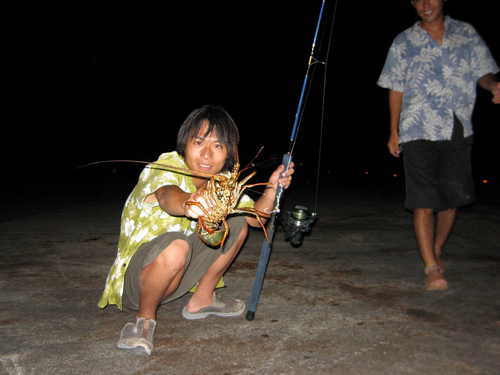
[
  {"x": 266, "y": 247},
  {"x": 297, "y": 115},
  {"x": 287, "y": 159}
]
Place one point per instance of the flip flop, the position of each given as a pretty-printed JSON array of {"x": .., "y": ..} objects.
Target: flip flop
[
  {"x": 435, "y": 280},
  {"x": 218, "y": 307}
]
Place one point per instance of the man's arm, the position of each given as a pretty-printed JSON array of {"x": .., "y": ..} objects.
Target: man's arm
[
  {"x": 395, "y": 105},
  {"x": 489, "y": 83},
  {"x": 266, "y": 202},
  {"x": 172, "y": 199}
]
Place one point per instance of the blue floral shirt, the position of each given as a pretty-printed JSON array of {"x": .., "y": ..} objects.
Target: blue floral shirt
[{"x": 437, "y": 80}]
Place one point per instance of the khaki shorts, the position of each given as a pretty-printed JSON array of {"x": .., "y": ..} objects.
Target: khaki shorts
[{"x": 198, "y": 261}]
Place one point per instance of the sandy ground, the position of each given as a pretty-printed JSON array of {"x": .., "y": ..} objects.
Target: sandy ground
[{"x": 350, "y": 300}]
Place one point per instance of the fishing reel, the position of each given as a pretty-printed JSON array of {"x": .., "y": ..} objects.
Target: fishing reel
[{"x": 297, "y": 223}]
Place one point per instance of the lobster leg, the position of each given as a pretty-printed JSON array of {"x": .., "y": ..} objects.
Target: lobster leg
[{"x": 257, "y": 215}]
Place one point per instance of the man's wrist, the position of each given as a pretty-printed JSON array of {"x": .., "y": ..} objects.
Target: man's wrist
[{"x": 269, "y": 192}]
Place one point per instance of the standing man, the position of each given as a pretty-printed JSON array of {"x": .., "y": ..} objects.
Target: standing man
[
  {"x": 432, "y": 70},
  {"x": 160, "y": 256}
]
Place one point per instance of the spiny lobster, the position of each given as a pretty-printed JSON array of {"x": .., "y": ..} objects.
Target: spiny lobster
[{"x": 222, "y": 194}]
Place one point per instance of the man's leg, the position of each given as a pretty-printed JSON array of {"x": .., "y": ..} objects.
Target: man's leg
[
  {"x": 202, "y": 297},
  {"x": 444, "y": 224},
  {"x": 161, "y": 278},
  {"x": 423, "y": 223},
  {"x": 431, "y": 239},
  {"x": 156, "y": 281}
]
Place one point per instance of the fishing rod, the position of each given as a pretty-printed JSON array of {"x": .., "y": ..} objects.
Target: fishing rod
[{"x": 299, "y": 221}]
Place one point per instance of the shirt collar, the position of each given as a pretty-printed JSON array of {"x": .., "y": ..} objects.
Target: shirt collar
[{"x": 447, "y": 21}]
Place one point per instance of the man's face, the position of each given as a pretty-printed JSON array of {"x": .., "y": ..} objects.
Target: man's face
[
  {"x": 205, "y": 155},
  {"x": 429, "y": 10}
]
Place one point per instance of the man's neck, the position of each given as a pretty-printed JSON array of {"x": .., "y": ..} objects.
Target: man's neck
[{"x": 435, "y": 29}]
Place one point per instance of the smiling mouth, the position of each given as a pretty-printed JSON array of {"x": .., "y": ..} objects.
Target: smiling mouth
[{"x": 204, "y": 166}]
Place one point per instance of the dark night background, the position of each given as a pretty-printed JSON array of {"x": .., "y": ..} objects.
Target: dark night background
[{"x": 90, "y": 81}]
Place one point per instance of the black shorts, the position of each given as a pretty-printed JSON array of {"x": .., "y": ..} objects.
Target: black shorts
[
  {"x": 198, "y": 261},
  {"x": 439, "y": 173}
]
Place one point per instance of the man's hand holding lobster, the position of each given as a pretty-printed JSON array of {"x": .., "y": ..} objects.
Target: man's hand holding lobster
[
  {"x": 193, "y": 211},
  {"x": 172, "y": 199}
]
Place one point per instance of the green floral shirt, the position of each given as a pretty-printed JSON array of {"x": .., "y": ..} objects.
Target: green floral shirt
[{"x": 143, "y": 221}]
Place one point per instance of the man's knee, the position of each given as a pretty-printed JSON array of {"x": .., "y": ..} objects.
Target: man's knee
[{"x": 174, "y": 256}]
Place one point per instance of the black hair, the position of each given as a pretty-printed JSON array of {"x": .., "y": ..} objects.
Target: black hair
[{"x": 218, "y": 120}]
